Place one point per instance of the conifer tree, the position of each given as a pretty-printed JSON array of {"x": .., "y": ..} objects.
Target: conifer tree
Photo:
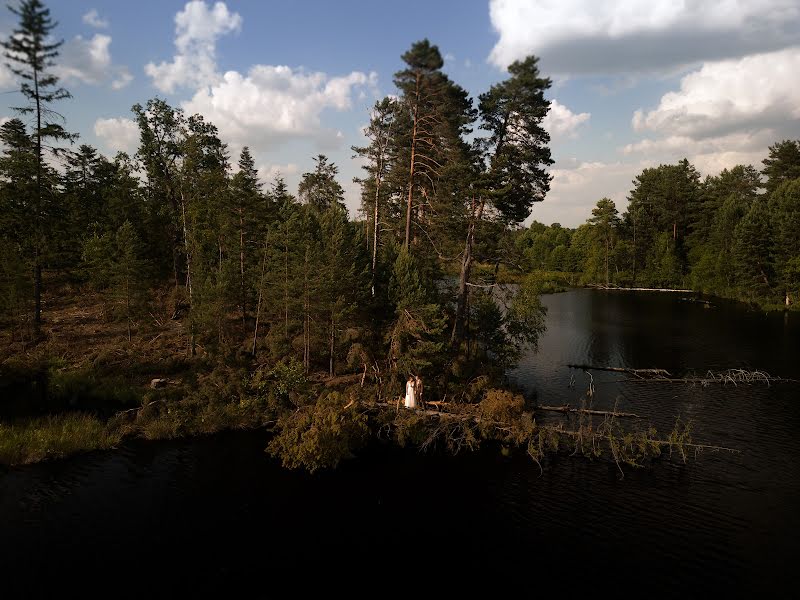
[
  {"x": 782, "y": 164},
  {"x": 605, "y": 219},
  {"x": 753, "y": 252},
  {"x": 427, "y": 123},
  {"x": 31, "y": 55},
  {"x": 246, "y": 197},
  {"x": 379, "y": 156},
  {"x": 784, "y": 209},
  {"x": 415, "y": 344},
  {"x": 515, "y": 155},
  {"x": 319, "y": 188}
]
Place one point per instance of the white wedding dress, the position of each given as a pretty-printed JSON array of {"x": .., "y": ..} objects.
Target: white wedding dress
[{"x": 411, "y": 397}]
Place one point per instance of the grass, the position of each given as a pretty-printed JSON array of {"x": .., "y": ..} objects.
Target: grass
[{"x": 56, "y": 436}]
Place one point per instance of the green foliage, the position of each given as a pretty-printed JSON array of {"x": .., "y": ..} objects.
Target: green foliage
[
  {"x": 319, "y": 188},
  {"x": 321, "y": 435},
  {"x": 283, "y": 386},
  {"x": 53, "y": 437},
  {"x": 414, "y": 337},
  {"x": 782, "y": 164},
  {"x": 753, "y": 252}
]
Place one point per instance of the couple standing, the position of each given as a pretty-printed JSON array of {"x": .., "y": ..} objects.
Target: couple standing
[{"x": 413, "y": 391}]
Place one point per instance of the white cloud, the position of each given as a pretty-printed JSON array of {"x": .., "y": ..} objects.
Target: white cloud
[
  {"x": 268, "y": 173},
  {"x": 197, "y": 28},
  {"x": 577, "y": 186},
  {"x": 561, "y": 122},
  {"x": 725, "y": 113},
  {"x": 89, "y": 61},
  {"x": 118, "y": 134},
  {"x": 93, "y": 19},
  {"x": 580, "y": 36},
  {"x": 273, "y": 103},
  {"x": 755, "y": 91},
  {"x": 123, "y": 78},
  {"x": 7, "y": 78}
]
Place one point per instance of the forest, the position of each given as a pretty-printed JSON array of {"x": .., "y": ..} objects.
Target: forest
[
  {"x": 171, "y": 292},
  {"x": 733, "y": 235}
]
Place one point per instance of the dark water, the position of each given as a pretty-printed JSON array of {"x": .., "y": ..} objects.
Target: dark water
[{"x": 218, "y": 513}]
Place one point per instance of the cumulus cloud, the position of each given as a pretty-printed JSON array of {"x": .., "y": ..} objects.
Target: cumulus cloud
[
  {"x": 93, "y": 19},
  {"x": 585, "y": 36},
  {"x": 273, "y": 103},
  {"x": 118, "y": 134},
  {"x": 7, "y": 79},
  {"x": 755, "y": 91},
  {"x": 725, "y": 113},
  {"x": 577, "y": 186},
  {"x": 561, "y": 122},
  {"x": 89, "y": 61},
  {"x": 197, "y": 28},
  {"x": 268, "y": 173}
]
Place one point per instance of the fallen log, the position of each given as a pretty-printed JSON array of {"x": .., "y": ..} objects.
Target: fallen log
[
  {"x": 588, "y": 411},
  {"x": 638, "y": 372},
  {"x": 636, "y": 289}
]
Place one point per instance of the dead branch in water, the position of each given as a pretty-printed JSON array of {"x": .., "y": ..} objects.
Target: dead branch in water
[
  {"x": 729, "y": 376},
  {"x": 635, "y": 289},
  {"x": 587, "y": 411},
  {"x": 641, "y": 373}
]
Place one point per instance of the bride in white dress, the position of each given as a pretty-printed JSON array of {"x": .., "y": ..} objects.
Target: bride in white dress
[{"x": 411, "y": 393}]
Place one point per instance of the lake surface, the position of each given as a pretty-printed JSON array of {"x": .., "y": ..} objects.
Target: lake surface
[{"x": 217, "y": 512}]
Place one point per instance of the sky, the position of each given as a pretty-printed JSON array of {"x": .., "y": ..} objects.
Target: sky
[{"x": 635, "y": 83}]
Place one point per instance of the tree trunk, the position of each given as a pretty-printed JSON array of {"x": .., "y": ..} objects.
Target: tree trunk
[
  {"x": 375, "y": 229},
  {"x": 37, "y": 259},
  {"x": 260, "y": 293},
  {"x": 466, "y": 265},
  {"x": 331, "y": 370},
  {"x": 409, "y": 202},
  {"x": 306, "y": 317},
  {"x": 243, "y": 290},
  {"x": 192, "y": 346},
  {"x": 286, "y": 288}
]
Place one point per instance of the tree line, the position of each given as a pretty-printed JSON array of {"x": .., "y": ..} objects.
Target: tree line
[
  {"x": 256, "y": 270},
  {"x": 734, "y": 234}
]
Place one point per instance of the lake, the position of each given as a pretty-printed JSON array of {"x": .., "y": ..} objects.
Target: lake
[{"x": 218, "y": 512}]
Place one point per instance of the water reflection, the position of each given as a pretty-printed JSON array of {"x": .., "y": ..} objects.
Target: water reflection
[{"x": 216, "y": 512}]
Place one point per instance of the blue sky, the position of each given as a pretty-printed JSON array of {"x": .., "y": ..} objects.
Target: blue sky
[{"x": 635, "y": 83}]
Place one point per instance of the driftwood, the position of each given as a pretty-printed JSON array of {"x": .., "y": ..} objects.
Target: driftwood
[
  {"x": 587, "y": 411},
  {"x": 705, "y": 303},
  {"x": 641, "y": 373},
  {"x": 562, "y": 409},
  {"x": 636, "y": 289},
  {"x": 729, "y": 376}
]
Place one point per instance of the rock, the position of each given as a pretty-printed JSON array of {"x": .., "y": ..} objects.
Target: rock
[{"x": 158, "y": 383}]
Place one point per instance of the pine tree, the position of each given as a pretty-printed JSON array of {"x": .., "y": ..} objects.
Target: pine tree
[
  {"x": 319, "y": 188},
  {"x": 415, "y": 343},
  {"x": 162, "y": 134},
  {"x": 514, "y": 155},
  {"x": 753, "y": 253},
  {"x": 605, "y": 220},
  {"x": 782, "y": 164},
  {"x": 246, "y": 197},
  {"x": 379, "y": 155},
  {"x": 344, "y": 278},
  {"x": 31, "y": 55},
  {"x": 424, "y": 124},
  {"x": 784, "y": 209},
  {"x": 129, "y": 273}
]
